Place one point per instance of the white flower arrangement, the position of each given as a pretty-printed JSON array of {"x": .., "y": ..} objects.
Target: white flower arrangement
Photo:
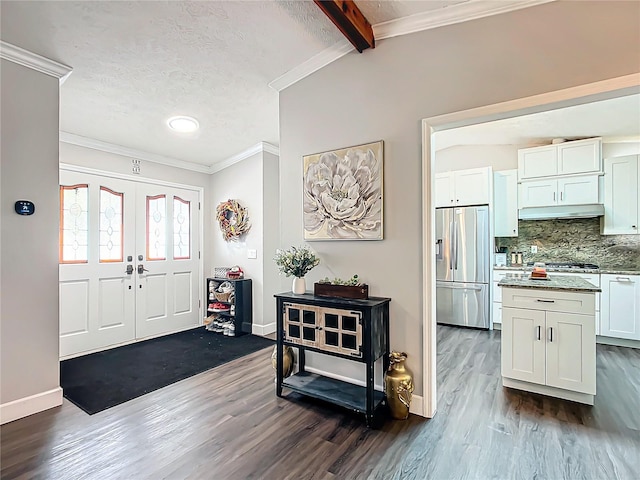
[{"x": 296, "y": 262}]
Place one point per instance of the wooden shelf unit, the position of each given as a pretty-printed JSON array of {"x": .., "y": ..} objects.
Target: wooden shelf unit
[{"x": 243, "y": 317}]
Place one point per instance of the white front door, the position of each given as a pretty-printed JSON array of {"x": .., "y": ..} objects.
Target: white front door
[
  {"x": 111, "y": 228},
  {"x": 168, "y": 286}
]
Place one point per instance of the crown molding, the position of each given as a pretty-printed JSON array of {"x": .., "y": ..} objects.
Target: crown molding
[
  {"x": 314, "y": 64},
  {"x": 257, "y": 148},
  {"x": 81, "y": 141},
  {"x": 34, "y": 61},
  {"x": 462, "y": 12},
  {"x": 471, "y": 10}
]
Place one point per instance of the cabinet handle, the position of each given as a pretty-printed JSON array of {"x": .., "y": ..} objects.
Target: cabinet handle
[
  {"x": 561, "y": 196},
  {"x": 539, "y": 328},
  {"x": 545, "y": 301},
  {"x": 623, "y": 279},
  {"x": 633, "y": 226},
  {"x": 554, "y": 196},
  {"x": 551, "y": 334}
]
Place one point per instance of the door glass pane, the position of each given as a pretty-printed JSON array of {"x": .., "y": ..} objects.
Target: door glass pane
[
  {"x": 348, "y": 341},
  {"x": 331, "y": 338},
  {"x": 309, "y": 317},
  {"x": 330, "y": 320},
  {"x": 74, "y": 223},
  {"x": 349, "y": 323},
  {"x": 294, "y": 315},
  {"x": 156, "y": 227},
  {"x": 111, "y": 225},
  {"x": 294, "y": 331},
  {"x": 181, "y": 228},
  {"x": 309, "y": 334}
]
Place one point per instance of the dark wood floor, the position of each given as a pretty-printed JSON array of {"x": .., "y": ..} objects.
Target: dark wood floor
[{"x": 228, "y": 424}]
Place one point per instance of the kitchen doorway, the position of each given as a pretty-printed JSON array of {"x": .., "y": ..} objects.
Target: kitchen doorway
[
  {"x": 129, "y": 256},
  {"x": 607, "y": 89}
]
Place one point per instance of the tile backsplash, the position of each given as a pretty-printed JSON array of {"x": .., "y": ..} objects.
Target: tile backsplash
[{"x": 574, "y": 240}]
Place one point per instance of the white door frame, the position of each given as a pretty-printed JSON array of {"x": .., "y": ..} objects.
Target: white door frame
[
  {"x": 138, "y": 179},
  {"x": 603, "y": 90}
]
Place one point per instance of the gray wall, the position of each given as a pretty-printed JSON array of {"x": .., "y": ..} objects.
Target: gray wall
[
  {"x": 29, "y": 276},
  {"x": 254, "y": 183},
  {"x": 500, "y": 157},
  {"x": 385, "y": 92}
]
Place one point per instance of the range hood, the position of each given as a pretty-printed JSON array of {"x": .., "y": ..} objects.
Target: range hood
[{"x": 561, "y": 211}]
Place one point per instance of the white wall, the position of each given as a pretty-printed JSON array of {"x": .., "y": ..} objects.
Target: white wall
[
  {"x": 271, "y": 236},
  {"x": 29, "y": 365},
  {"x": 500, "y": 157},
  {"x": 620, "y": 149},
  {"x": 384, "y": 93}
]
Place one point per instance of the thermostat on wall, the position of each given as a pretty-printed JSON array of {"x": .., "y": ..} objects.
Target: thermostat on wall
[{"x": 25, "y": 207}]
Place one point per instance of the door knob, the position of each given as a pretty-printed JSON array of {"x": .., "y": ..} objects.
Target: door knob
[
  {"x": 129, "y": 269},
  {"x": 141, "y": 269}
]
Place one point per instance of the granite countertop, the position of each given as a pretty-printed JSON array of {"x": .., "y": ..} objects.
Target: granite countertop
[
  {"x": 554, "y": 282},
  {"x": 604, "y": 270}
]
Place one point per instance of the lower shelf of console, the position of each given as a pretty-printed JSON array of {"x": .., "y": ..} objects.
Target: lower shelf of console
[{"x": 341, "y": 393}]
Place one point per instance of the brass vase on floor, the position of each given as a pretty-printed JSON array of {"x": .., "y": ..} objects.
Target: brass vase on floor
[
  {"x": 398, "y": 385},
  {"x": 287, "y": 360}
]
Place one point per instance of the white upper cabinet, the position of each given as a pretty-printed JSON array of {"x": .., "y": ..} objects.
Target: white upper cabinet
[
  {"x": 463, "y": 187},
  {"x": 578, "y": 190},
  {"x": 505, "y": 203},
  {"x": 621, "y": 197},
  {"x": 581, "y": 156},
  {"x": 538, "y": 162},
  {"x": 570, "y": 158}
]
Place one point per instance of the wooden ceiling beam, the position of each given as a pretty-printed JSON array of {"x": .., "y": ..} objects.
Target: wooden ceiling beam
[{"x": 351, "y": 22}]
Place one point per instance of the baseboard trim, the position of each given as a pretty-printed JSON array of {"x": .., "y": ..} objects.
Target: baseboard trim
[
  {"x": 23, "y": 407},
  {"x": 618, "y": 342},
  {"x": 551, "y": 391},
  {"x": 417, "y": 406},
  {"x": 263, "y": 330}
]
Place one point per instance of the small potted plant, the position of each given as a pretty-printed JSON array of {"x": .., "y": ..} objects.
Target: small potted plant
[{"x": 296, "y": 262}]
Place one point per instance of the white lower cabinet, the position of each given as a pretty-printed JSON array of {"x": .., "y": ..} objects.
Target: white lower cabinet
[
  {"x": 547, "y": 351},
  {"x": 620, "y": 306}
]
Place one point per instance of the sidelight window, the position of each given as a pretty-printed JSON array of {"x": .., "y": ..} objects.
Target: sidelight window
[{"x": 74, "y": 224}]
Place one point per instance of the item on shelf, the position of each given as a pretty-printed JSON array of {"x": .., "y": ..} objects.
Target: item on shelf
[
  {"x": 221, "y": 272},
  {"x": 539, "y": 271},
  {"x": 359, "y": 292},
  {"x": 233, "y": 310},
  {"x": 287, "y": 360},
  {"x": 398, "y": 386},
  {"x": 219, "y": 307},
  {"x": 296, "y": 262},
  {"x": 233, "y": 219},
  {"x": 235, "y": 273}
]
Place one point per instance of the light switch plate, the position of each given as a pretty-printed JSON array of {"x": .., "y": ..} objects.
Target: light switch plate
[
  {"x": 534, "y": 249},
  {"x": 252, "y": 253}
]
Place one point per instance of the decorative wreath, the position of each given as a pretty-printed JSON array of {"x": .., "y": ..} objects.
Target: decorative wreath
[{"x": 233, "y": 220}]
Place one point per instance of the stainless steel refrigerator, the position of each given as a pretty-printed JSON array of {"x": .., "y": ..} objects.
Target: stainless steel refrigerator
[{"x": 462, "y": 266}]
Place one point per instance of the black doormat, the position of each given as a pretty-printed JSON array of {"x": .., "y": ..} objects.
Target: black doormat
[{"x": 103, "y": 380}]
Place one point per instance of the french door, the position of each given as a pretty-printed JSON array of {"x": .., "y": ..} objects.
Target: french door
[{"x": 129, "y": 261}]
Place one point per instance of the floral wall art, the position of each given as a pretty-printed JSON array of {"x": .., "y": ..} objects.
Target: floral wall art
[{"x": 343, "y": 193}]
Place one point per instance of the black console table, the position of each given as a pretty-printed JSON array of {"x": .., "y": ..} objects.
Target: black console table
[{"x": 357, "y": 330}]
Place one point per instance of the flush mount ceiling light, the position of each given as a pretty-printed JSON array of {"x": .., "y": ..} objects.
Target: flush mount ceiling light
[{"x": 183, "y": 124}]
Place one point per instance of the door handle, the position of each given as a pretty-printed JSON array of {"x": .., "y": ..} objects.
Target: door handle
[
  {"x": 141, "y": 269},
  {"x": 129, "y": 269}
]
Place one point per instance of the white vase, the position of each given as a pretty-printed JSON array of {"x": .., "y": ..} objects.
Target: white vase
[{"x": 299, "y": 286}]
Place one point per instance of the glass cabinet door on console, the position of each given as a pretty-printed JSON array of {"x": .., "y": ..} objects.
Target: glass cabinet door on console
[
  {"x": 341, "y": 331},
  {"x": 301, "y": 324}
]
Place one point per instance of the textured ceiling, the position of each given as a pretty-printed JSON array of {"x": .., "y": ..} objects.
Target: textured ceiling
[
  {"x": 618, "y": 118},
  {"x": 137, "y": 63}
]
